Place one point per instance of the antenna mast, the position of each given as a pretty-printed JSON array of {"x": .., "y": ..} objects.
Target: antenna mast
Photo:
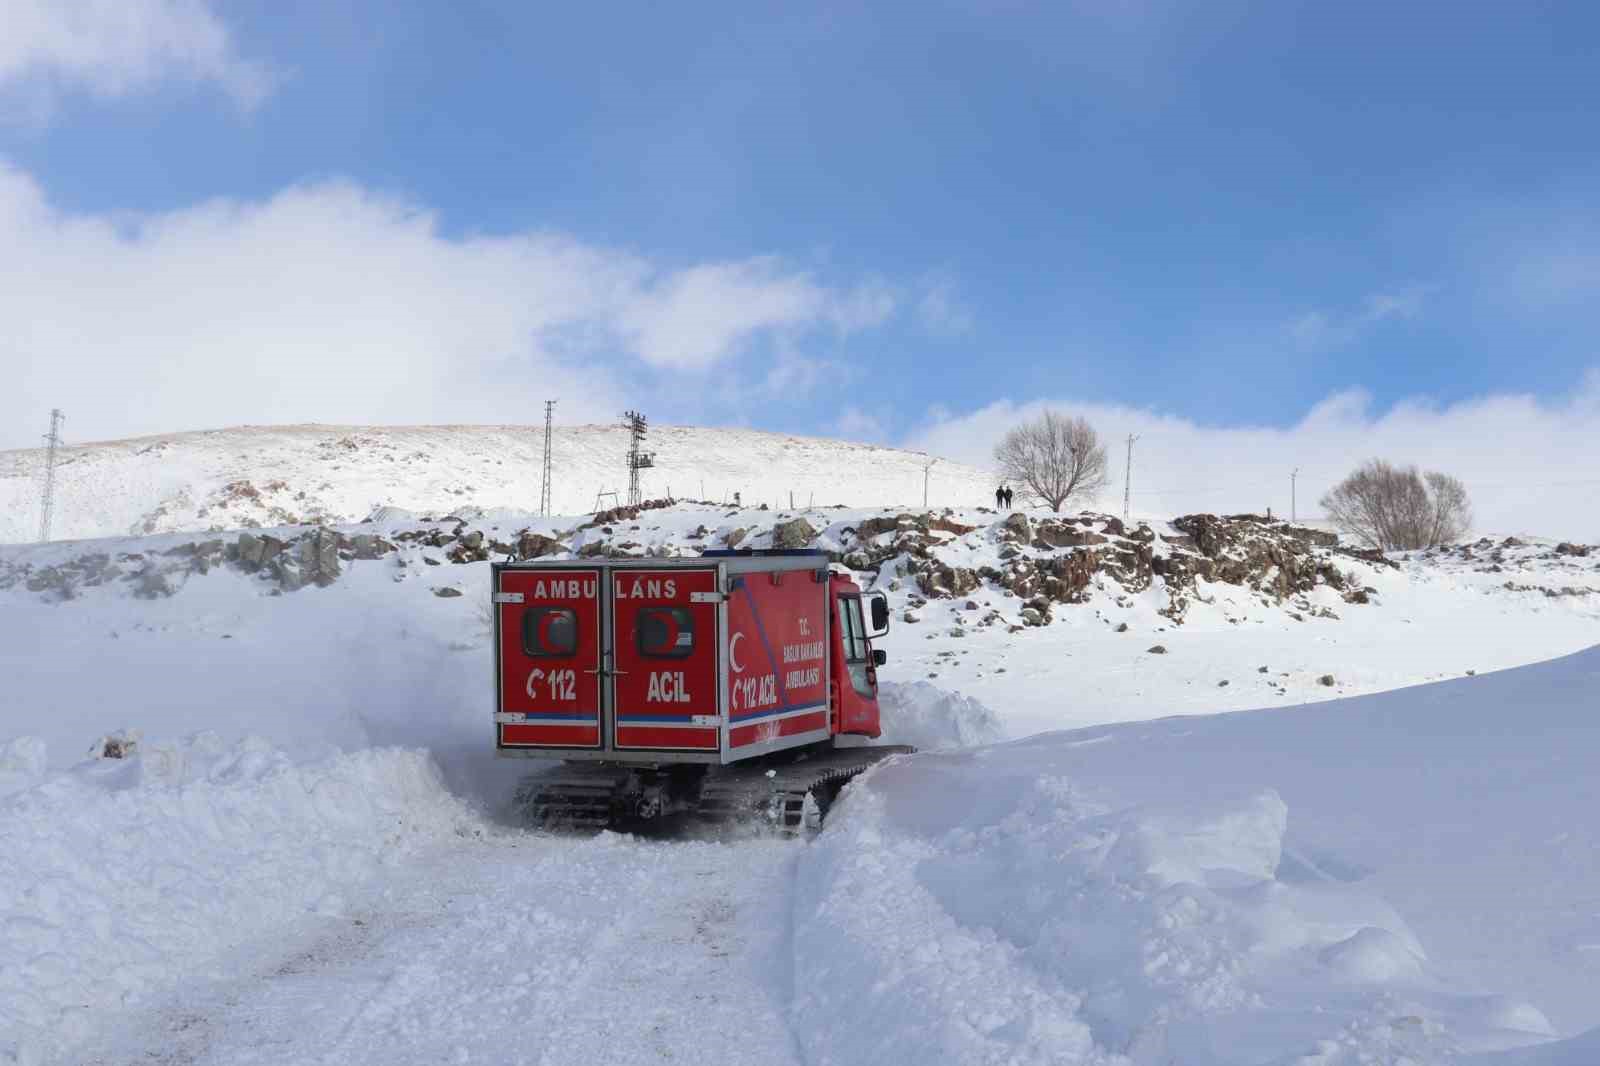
[
  {"x": 544, "y": 479},
  {"x": 638, "y": 459},
  {"x": 1127, "y": 478},
  {"x": 52, "y": 442}
]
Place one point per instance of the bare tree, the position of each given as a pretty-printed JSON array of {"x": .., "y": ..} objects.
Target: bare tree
[
  {"x": 1055, "y": 457},
  {"x": 1397, "y": 509}
]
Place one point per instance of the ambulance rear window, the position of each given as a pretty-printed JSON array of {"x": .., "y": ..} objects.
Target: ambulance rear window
[
  {"x": 549, "y": 632},
  {"x": 665, "y": 632}
]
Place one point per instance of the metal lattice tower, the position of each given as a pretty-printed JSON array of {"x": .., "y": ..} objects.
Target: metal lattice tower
[
  {"x": 638, "y": 459},
  {"x": 52, "y": 442},
  {"x": 544, "y": 479}
]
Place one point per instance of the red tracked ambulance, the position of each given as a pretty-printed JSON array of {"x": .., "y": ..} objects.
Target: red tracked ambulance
[{"x": 739, "y": 678}]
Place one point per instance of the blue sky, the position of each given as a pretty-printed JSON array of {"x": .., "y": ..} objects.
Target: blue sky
[{"x": 867, "y": 219}]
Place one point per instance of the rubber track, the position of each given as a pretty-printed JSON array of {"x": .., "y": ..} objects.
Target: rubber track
[
  {"x": 581, "y": 796},
  {"x": 778, "y": 793},
  {"x": 576, "y": 796}
]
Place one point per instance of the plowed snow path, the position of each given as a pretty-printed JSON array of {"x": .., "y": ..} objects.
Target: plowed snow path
[{"x": 521, "y": 949}]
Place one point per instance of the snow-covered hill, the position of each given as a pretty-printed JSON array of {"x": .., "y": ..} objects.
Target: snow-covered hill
[{"x": 276, "y": 475}]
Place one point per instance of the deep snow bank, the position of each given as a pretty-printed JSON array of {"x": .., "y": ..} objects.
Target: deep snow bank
[
  {"x": 929, "y": 717},
  {"x": 121, "y": 875},
  {"x": 963, "y": 910},
  {"x": 1356, "y": 881}
]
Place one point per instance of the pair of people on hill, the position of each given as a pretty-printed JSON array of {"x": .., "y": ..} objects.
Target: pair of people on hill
[{"x": 1002, "y": 498}]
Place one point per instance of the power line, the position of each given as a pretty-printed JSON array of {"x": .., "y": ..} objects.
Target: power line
[
  {"x": 52, "y": 445},
  {"x": 544, "y": 479},
  {"x": 1257, "y": 482}
]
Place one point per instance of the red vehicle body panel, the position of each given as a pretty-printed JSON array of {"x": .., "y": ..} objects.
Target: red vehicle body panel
[
  {"x": 667, "y": 655},
  {"x": 657, "y": 662},
  {"x": 560, "y": 695},
  {"x": 777, "y": 648}
]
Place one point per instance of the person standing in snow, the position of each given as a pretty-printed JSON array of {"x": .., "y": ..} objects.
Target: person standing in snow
[
  {"x": 999, "y": 497},
  {"x": 1008, "y": 497}
]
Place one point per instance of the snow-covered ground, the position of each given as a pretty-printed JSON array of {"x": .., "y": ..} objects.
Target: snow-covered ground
[
  {"x": 273, "y": 475},
  {"x": 324, "y": 874},
  {"x": 1403, "y": 877}
]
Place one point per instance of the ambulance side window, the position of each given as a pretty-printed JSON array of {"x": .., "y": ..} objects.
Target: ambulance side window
[
  {"x": 665, "y": 633},
  {"x": 549, "y": 632},
  {"x": 853, "y": 635}
]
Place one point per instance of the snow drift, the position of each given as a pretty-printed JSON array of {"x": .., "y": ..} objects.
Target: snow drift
[
  {"x": 1355, "y": 881},
  {"x": 929, "y": 717},
  {"x": 121, "y": 875}
]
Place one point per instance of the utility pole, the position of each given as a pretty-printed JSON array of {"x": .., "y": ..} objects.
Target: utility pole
[
  {"x": 927, "y": 466},
  {"x": 544, "y": 479},
  {"x": 638, "y": 459},
  {"x": 1294, "y": 515},
  {"x": 52, "y": 442},
  {"x": 1127, "y": 479}
]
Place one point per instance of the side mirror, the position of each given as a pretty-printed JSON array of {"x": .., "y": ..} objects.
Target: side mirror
[
  {"x": 880, "y": 614},
  {"x": 879, "y": 656}
]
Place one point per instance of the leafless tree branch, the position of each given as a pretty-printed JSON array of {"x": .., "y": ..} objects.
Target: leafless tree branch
[
  {"x": 1056, "y": 458},
  {"x": 1399, "y": 509}
]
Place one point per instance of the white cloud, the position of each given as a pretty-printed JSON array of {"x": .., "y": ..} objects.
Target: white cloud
[
  {"x": 940, "y": 310},
  {"x": 869, "y": 304},
  {"x": 1322, "y": 330},
  {"x": 330, "y": 303},
  {"x": 1531, "y": 466},
  {"x": 701, "y": 316},
  {"x": 111, "y": 48},
  {"x": 858, "y": 425}
]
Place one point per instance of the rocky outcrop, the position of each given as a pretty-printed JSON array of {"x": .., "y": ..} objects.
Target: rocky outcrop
[
  {"x": 316, "y": 558},
  {"x": 536, "y": 546},
  {"x": 369, "y": 546},
  {"x": 939, "y": 580},
  {"x": 795, "y": 533},
  {"x": 1267, "y": 556},
  {"x": 624, "y": 514},
  {"x": 469, "y": 547},
  {"x": 1064, "y": 559},
  {"x": 1037, "y": 563},
  {"x": 252, "y": 551}
]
